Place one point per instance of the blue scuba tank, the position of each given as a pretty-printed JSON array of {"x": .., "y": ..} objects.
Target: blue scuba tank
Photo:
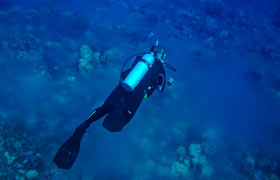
[{"x": 138, "y": 72}]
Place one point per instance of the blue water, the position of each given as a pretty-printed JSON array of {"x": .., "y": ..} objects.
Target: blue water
[{"x": 219, "y": 119}]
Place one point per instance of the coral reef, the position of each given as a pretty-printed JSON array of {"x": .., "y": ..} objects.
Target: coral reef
[
  {"x": 58, "y": 46},
  {"x": 23, "y": 156}
]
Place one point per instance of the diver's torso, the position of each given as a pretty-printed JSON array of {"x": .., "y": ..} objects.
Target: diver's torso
[
  {"x": 133, "y": 99},
  {"x": 150, "y": 79}
]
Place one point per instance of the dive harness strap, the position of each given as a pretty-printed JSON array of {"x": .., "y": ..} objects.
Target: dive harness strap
[{"x": 147, "y": 63}]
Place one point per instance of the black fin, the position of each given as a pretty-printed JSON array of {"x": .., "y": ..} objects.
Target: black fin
[{"x": 68, "y": 152}]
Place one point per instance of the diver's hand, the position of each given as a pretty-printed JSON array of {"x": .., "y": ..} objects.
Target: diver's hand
[
  {"x": 170, "y": 81},
  {"x": 148, "y": 92}
]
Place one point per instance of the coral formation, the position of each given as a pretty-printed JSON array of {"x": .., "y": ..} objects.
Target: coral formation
[
  {"x": 1, "y": 144},
  {"x": 27, "y": 41},
  {"x": 180, "y": 169},
  {"x": 31, "y": 174},
  {"x": 10, "y": 159},
  {"x": 199, "y": 160},
  {"x": 181, "y": 151},
  {"x": 195, "y": 152},
  {"x": 85, "y": 62},
  {"x": 211, "y": 42},
  {"x": 191, "y": 162}
]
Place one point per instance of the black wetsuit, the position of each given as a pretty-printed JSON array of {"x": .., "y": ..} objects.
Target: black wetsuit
[{"x": 122, "y": 105}]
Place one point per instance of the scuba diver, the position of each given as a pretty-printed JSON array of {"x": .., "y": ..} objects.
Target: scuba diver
[{"x": 146, "y": 75}]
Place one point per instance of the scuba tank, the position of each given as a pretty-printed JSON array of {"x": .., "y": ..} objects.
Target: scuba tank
[
  {"x": 141, "y": 68},
  {"x": 138, "y": 72}
]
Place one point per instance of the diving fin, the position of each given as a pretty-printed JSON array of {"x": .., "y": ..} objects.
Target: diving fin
[{"x": 68, "y": 152}]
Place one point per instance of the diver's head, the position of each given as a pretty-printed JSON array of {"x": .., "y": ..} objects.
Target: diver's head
[{"x": 158, "y": 52}]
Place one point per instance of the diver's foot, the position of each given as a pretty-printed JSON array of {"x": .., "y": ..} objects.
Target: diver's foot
[
  {"x": 82, "y": 127},
  {"x": 80, "y": 131}
]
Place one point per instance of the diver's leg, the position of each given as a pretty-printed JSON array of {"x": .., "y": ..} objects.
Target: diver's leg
[
  {"x": 106, "y": 108},
  {"x": 98, "y": 113},
  {"x": 94, "y": 116},
  {"x": 68, "y": 152}
]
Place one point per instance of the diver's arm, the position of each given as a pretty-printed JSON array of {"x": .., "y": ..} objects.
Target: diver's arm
[
  {"x": 159, "y": 84},
  {"x": 161, "y": 81}
]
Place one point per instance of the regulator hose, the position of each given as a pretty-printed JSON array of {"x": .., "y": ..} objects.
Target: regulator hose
[{"x": 170, "y": 67}]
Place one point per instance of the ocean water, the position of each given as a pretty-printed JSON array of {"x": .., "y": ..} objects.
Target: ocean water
[{"x": 219, "y": 120}]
